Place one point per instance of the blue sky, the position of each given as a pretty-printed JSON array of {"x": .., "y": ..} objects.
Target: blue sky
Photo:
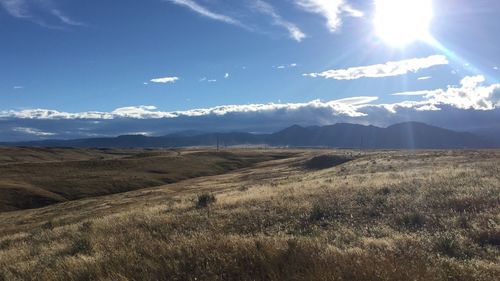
[{"x": 64, "y": 59}]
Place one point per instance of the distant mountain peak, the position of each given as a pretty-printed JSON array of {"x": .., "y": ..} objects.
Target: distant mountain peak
[{"x": 407, "y": 135}]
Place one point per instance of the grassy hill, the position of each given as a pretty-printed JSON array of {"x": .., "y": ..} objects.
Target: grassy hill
[
  {"x": 11, "y": 155},
  {"x": 381, "y": 215},
  {"x": 34, "y": 178}
]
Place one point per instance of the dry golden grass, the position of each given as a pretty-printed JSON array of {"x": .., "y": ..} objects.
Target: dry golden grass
[
  {"x": 428, "y": 215},
  {"x": 39, "y": 177}
]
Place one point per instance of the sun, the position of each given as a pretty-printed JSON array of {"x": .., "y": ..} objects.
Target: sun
[{"x": 401, "y": 22}]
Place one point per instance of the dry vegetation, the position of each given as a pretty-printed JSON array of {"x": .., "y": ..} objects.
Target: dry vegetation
[
  {"x": 427, "y": 215},
  {"x": 34, "y": 178}
]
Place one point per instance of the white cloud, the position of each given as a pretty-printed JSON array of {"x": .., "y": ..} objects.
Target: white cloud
[
  {"x": 294, "y": 32},
  {"x": 472, "y": 104},
  {"x": 226, "y": 76},
  {"x": 351, "y": 11},
  {"x": 16, "y": 8},
  {"x": 357, "y": 100},
  {"x": 32, "y": 131},
  {"x": 39, "y": 12},
  {"x": 496, "y": 68},
  {"x": 194, "y": 6},
  {"x": 18, "y": 87},
  {"x": 205, "y": 79},
  {"x": 468, "y": 105},
  {"x": 65, "y": 19},
  {"x": 424, "y": 78},
  {"x": 414, "y": 93},
  {"x": 286, "y": 66},
  {"x": 332, "y": 10},
  {"x": 140, "y": 112},
  {"x": 471, "y": 94},
  {"x": 40, "y": 113},
  {"x": 392, "y": 68},
  {"x": 346, "y": 106},
  {"x": 165, "y": 80}
]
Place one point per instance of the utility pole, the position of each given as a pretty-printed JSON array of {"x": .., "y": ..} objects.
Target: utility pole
[{"x": 217, "y": 142}]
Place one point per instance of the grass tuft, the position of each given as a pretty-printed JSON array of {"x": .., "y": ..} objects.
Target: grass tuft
[{"x": 204, "y": 200}]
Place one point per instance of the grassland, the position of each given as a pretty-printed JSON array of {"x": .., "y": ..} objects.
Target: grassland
[
  {"x": 381, "y": 215},
  {"x": 32, "y": 178}
]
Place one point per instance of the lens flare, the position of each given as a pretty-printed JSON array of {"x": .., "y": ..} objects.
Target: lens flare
[{"x": 401, "y": 22}]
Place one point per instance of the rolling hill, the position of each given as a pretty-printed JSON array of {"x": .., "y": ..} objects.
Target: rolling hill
[
  {"x": 427, "y": 215},
  {"x": 43, "y": 176}
]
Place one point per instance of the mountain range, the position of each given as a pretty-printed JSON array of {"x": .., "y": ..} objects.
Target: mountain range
[{"x": 410, "y": 135}]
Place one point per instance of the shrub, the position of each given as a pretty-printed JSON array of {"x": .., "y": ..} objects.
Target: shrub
[
  {"x": 49, "y": 225},
  {"x": 86, "y": 226},
  {"x": 412, "y": 220},
  {"x": 204, "y": 200},
  {"x": 81, "y": 245},
  {"x": 488, "y": 237},
  {"x": 318, "y": 212},
  {"x": 448, "y": 244}
]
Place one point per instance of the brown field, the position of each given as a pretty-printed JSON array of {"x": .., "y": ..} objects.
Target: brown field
[
  {"x": 252, "y": 214},
  {"x": 33, "y": 178}
]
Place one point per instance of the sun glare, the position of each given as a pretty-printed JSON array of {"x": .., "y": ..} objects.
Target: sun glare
[{"x": 401, "y": 22}]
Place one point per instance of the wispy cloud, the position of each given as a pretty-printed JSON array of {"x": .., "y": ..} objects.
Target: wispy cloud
[
  {"x": 293, "y": 30},
  {"x": 16, "y": 8},
  {"x": 414, "y": 93},
  {"x": 352, "y": 11},
  {"x": 205, "y": 79},
  {"x": 424, "y": 78},
  {"x": 165, "y": 80},
  {"x": 291, "y": 65},
  {"x": 194, "y": 6},
  {"x": 32, "y": 131},
  {"x": 332, "y": 10},
  {"x": 392, "y": 68},
  {"x": 43, "y": 13},
  {"x": 18, "y": 87},
  {"x": 65, "y": 19}
]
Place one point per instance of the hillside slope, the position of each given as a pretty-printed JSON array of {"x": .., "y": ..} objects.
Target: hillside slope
[
  {"x": 35, "y": 184},
  {"x": 426, "y": 215}
]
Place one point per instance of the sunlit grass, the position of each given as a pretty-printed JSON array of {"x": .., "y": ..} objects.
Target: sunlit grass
[{"x": 383, "y": 216}]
